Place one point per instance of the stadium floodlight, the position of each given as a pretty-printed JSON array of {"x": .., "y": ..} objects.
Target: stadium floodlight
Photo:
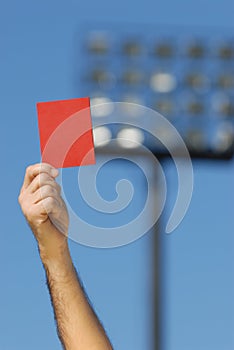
[{"x": 188, "y": 78}]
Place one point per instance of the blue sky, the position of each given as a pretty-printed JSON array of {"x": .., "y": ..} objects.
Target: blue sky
[{"x": 197, "y": 308}]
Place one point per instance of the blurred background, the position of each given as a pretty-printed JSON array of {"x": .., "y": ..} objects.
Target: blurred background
[{"x": 167, "y": 292}]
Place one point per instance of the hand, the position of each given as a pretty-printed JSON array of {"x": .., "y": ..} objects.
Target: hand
[{"x": 44, "y": 208}]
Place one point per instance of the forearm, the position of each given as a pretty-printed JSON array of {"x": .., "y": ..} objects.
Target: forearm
[{"x": 78, "y": 326}]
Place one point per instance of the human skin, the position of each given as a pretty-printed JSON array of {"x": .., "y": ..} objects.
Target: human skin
[{"x": 45, "y": 211}]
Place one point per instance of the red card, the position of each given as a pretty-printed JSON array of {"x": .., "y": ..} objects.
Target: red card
[{"x": 65, "y": 130}]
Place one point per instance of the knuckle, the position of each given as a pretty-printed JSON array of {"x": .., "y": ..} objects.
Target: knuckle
[
  {"x": 29, "y": 212},
  {"x": 42, "y": 178},
  {"x": 50, "y": 203},
  {"x": 20, "y": 198},
  {"x": 52, "y": 190},
  {"x": 48, "y": 190},
  {"x": 29, "y": 169},
  {"x": 58, "y": 187}
]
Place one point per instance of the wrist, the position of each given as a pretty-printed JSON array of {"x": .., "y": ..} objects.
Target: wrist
[
  {"x": 58, "y": 266},
  {"x": 54, "y": 251},
  {"x": 52, "y": 244}
]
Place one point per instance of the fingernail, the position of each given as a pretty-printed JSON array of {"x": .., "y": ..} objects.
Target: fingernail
[{"x": 54, "y": 172}]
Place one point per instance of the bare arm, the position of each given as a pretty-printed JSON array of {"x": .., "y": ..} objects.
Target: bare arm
[{"x": 45, "y": 211}]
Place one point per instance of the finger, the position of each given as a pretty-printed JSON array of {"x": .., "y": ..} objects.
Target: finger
[
  {"x": 45, "y": 192},
  {"x": 33, "y": 170},
  {"x": 48, "y": 206},
  {"x": 42, "y": 180}
]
